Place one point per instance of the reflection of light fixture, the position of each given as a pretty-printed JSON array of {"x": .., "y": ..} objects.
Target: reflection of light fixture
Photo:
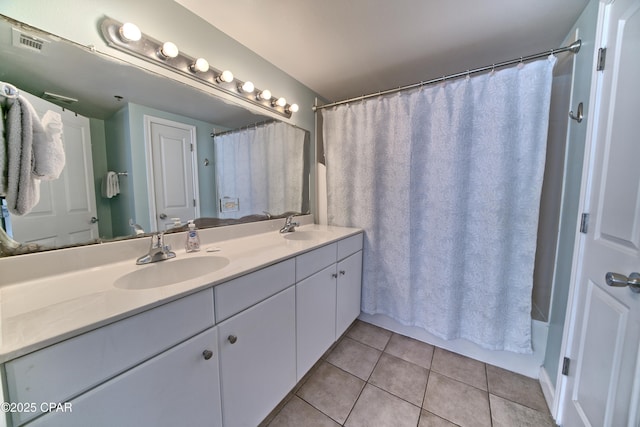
[
  {"x": 226, "y": 76},
  {"x": 200, "y": 65},
  {"x": 246, "y": 87},
  {"x": 128, "y": 38},
  {"x": 280, "y": 102},
  {"x": 168, "y": 50},
  {"x": 130, "y": 32},
  {"x": 265, "y": 95}
]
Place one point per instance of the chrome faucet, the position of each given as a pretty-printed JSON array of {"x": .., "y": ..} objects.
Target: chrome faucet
[
  {"x": 289, "y": 225},
  {"x": 157, "y": 252}
]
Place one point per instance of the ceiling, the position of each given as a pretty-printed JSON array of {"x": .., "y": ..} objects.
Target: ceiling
[{"x": 346, "y": 48}]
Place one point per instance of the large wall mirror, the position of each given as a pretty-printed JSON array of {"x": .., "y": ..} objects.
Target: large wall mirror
[{"x": 144, "y": 152}]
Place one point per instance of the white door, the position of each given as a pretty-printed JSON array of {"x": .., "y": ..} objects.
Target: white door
[
  {"x": 175, "y": 190},
  {"x": 603, "y": 385},
  {"x": 66, "y": 212}
]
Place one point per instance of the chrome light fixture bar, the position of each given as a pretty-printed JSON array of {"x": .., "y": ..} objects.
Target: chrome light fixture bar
[{"x": 128, "y": 38}]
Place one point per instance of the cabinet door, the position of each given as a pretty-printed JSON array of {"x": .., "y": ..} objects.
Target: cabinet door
[
  {"x": 257, "y": 359},
  {"x": 348, "y": 291},
  {"x": 315, "y": 317},
  {"x": 178, "y": 387}
]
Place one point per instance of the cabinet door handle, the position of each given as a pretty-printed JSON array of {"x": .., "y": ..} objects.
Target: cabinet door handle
[
  {"x": 232, "y": 339},
  {"x": 342, "y": 272},
  {"x": 207, "y": 354},
  {"x": 334, "y": 275}
]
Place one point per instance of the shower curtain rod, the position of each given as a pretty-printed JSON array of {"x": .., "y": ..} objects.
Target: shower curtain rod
[{"x": 573, "y": 47}]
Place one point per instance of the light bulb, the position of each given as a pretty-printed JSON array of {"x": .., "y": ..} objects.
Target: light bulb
[
  {"x": 200, "y": 65},
  {"x": 280, "y": 102},
  {"x": 226, "y": 76},
  {"x": 265, "y": 95},
  {"x": 247, "y": 87},
  {"x": 130, "y": 32},
  {"x": 168, "y": 50},
  {"x": 293, "y": 108}
]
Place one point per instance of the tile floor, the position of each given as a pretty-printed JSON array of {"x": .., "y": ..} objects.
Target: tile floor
[{"x": 376, "y": 378}]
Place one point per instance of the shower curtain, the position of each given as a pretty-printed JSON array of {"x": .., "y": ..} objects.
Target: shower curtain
[
  {"x": 263, "y": 167},
  {"x": 446, "y": 180}
]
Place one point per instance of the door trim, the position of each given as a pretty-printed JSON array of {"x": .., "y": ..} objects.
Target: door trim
[{"x": 148, "y": 150}]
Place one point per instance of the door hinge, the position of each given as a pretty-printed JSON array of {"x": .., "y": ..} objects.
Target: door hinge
[
  {"x": 584, "y": 223},
  {"x": 191, "y": 146},
  {"x": 194, "y": 203},
  {"x": 602, "y": 57},
  {"x": 565, "y": 366}
]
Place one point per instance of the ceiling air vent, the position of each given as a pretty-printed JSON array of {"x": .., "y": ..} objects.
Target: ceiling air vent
[
  {"x": 27, "y": 41},
  {"x": 60, "y": 99}
]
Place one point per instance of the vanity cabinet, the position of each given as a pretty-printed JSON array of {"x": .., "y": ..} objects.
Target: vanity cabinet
[
  {"x": 257, "y": 359},
  {"x": 327, "y": 297},
  {"x": 178, "y": 387},
  {"x": 61, "y": 372},
  {"x": 349, "y": 286},
  {"x": 222, "y": 356}
]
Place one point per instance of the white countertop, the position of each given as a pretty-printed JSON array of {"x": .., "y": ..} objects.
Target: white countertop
[{"x": 44, "y": 310}]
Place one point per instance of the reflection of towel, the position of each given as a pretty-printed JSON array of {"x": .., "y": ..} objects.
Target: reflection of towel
[
  {"x": 48, "y": 152},
  {"x": 110, "y": 185},
  {"x": 22, "y": 128}
]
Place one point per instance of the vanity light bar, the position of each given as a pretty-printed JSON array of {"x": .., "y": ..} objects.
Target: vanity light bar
[{"x": 124, "y": 37}]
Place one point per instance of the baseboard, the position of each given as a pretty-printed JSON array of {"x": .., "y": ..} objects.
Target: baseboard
[{"x": 548, "y": 389}]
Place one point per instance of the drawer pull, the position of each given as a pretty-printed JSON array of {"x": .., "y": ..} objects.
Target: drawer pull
[
  {"x": 207, "y": 354},
  {"x": 342, "y": 272},
  {"x": 232, "y": 339}
]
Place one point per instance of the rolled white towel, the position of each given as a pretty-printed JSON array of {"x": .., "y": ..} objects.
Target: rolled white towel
[
  {"x": 107, "y": 184},
  {"x": 48, "y": 150}
]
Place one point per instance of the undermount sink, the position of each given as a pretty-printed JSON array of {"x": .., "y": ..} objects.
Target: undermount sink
[
  {"x": 164, "y": 273},
  {"x": 305, "y": 235}
]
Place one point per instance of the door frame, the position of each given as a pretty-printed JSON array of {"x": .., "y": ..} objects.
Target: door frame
[{"x": 148, "y": 149}]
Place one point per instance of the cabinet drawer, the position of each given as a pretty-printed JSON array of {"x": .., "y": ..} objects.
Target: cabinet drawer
[
  {"x": 238, "y": 294},
  {"x": 61, "y": 371},
  {"x": 314, "y": 261},
  {"x": 349, "y": 246}
]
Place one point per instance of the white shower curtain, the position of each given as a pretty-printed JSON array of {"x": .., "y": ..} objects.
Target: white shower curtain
[
  {"x": 446, "y": 180},
  {"x": 263, "y": 167}
]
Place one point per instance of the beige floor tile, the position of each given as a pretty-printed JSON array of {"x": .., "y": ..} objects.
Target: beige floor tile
[
  {"x": 378, "y": 408},
  {"x": 354, "y": 357},
  {"x": 427, "y": 419},
  {"x": 516, "y": 387},
  {"x": 369, "y": 334},
  {"x": 460, "y": 368},
  {"x": 297, "y": 413},
  {"x": 332, "y": 391},
  {"x": 411, "y": 350},
  {"x": 457, "y": 402},
  {"x": 505, "y": 413},
  {"x": 401, "y": 378}
]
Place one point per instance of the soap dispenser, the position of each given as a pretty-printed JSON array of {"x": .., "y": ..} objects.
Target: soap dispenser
[{"x": 193, "y": 240}]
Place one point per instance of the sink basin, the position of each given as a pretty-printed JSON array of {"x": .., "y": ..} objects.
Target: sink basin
[
  {"x": 305, "y": 235},
  {"x": 168, "y": 272}
]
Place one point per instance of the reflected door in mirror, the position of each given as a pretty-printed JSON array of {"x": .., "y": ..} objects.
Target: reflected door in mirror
[
  {"x": 175, "y": 186},
  {"x": 67, "y": 205}
]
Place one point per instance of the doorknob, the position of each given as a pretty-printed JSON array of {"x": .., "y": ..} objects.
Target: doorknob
[
  {"x": 163, "y": 216},
  {"x": 620, "y": 280},
  {"x": 93, "y": 220}
]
